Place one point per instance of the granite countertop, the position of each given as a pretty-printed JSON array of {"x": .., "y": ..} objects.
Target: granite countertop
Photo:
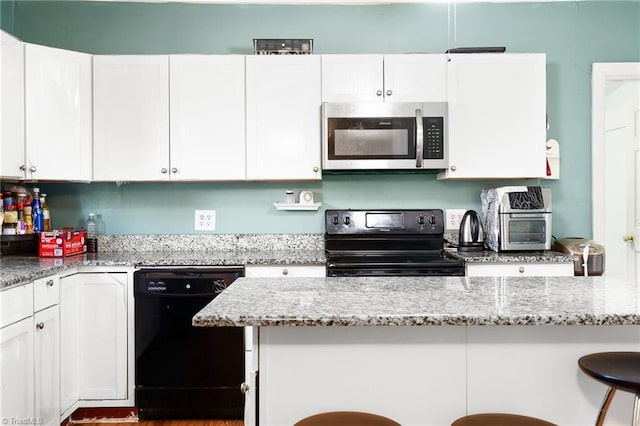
[
  {"x": 20, "y": 269},
  {"x": 423, "y": 301},
  {"x": 488, "y": 256}
]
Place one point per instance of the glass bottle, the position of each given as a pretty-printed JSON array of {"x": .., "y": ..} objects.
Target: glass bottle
[
  {"x": 92, "y": 234},
  {"x": 46, "y": 215},
  {"x": 36, "y": 212}
]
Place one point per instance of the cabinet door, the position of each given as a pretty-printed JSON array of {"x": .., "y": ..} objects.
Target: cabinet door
[
  {"x": 285, "y": 271},
  {"x": 47, "y": 366},
  {"x": 352, "y": 78},
  {"x": 70, "y": 322},
  {"x": 12, "y": 107},
  {"x": 103, "y": 336},
  {"x": 58, "y": 113},
  {"x": 415, "y": 78},
  {"x": 131, "y": 117},
  {"x": 519, "y": 270},
  {"x": 16, "y": 370},
  {"x": 283, "y": 117},
  {"x": 497, "y": 116},
  {"x": 207, "y": 117}
]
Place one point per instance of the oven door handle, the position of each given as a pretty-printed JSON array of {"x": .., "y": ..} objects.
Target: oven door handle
[{"x": 419, "y": 138}]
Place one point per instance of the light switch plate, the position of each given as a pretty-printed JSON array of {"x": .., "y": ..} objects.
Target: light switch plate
[{"x": 205, "y": 220}]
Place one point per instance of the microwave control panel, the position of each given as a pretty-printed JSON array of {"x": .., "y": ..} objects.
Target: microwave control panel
[{"x": 433, "y": 137}]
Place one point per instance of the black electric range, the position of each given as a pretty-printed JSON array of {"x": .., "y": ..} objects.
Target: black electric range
[{"x": 387, "y": 243}]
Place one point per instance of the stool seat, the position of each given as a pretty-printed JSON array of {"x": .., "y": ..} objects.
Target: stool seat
[
  {"x": 346, "y": 418},
  {"x": 499, "y": 419},
  {"x": 617, "y": 369}
]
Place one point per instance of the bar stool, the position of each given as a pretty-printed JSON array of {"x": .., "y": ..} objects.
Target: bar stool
[
  {"x": 617, "y": 370},
  {"x": 499, "y": 419},
  {"x": 346, "y": 418}
]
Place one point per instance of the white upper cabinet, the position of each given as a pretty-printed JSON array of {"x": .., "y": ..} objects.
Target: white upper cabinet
[
  {"x": 207, "y": 117},
  {"x": 58, "y": 114},
  {"x": 283, "y": 117},
  {"x": 389, "y": 78},
  {"x": 12, "y": 163},
  {"x": 497, "y": 116},
  {"x": 131, "y": 117}
]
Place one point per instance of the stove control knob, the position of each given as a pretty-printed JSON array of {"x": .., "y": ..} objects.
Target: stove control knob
[
  {"x": 421, "y": 220},
  {"x": 335, "y": 219},
  {"x": 347, "y": 220},
  {"x": 432, "y": 220}
]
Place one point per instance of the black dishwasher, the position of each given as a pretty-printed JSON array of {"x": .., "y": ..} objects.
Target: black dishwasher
[{"x": 182, "y": 371}]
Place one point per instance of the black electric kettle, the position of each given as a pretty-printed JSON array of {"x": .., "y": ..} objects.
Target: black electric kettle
[{"x": 471, "y": 236}]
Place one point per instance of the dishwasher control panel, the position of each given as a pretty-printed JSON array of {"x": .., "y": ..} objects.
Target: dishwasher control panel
[{"x": 184, "y": 281}]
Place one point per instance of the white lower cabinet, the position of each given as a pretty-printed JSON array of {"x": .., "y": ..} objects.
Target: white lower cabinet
[
  {"x": 97, "y": 336},
  {"x": 251, "y": 333},
  {"x": 47, "y": 366},
  {"x": 29, "y": 353},
  {"x": 16, "y": 370},
  {"x": 561, "y": 269}
]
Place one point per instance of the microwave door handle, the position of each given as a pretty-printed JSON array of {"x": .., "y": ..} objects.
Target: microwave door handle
[{"x": 419, "y": 138}]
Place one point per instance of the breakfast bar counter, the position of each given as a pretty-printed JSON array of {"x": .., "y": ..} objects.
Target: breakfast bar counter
[
  {"x": 427, "y": 350},
  {"x": 420, "y": 301}
]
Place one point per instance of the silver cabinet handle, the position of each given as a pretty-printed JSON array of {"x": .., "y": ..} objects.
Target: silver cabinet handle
[
  {"x": 32, "y": 169},
  {"x": 379, "y": 93},
  {"x": 50, "y": 283},
  {"x": 627, "y": 238},
  {"x": 244, "y": 388},
  {"x": 285, "y": 271},
  {"x": 315, "y": 169},
  {"x": 419, "y": 138},
  {"x": 453, "y": 168},
  {"x": 389, "y": 92},
  {"x": 163, "y": 170},
  {"x": 174, "y": 170},
  {"x": 23, "y": 168},
  {"x": 521, "y": 269},
  {"x": 40, "y": 325}
]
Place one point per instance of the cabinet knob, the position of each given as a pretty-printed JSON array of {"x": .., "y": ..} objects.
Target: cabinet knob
[
  {"x": 163, "y": 170},
  {"x": 174, "y": 170},
  {"x": 32, "y": 169},
  {"x": 389, "y": 92},
  {"x": 453, "y": 168},
  {"x": 379, "y": 93},
  {"x": 521, "y": 269},
  {"x": 315, "y": 169},
  {"x": 50, "y": 283},
  {"x": 23, "y": 168},
  {"x": 627, "y": 238},
  {"x": 40, "y": 325},
  {"x": 244, "y": 388},
  {"x": 285, "y": 271}
]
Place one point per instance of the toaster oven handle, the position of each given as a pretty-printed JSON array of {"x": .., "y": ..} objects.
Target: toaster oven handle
[{"x": 419, "y": 138}]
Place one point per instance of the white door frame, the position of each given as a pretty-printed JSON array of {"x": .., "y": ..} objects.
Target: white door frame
[{"x": 601, "y": 73}]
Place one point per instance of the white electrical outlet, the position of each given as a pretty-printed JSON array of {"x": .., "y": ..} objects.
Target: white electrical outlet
[
  {"x": 205, "y": 220},
  {"x": 453, "y": 219}
]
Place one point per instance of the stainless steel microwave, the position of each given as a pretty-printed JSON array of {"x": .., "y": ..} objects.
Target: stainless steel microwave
[{"x": 384, "y": 136}]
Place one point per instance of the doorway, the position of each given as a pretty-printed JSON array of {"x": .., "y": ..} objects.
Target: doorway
[{"x": 616, "y": 166}]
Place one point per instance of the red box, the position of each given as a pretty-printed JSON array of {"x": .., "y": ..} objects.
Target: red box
[{"x": 62, "y": 243}]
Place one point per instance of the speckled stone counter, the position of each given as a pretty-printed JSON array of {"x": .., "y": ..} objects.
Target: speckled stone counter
[
  {"x": 488, "y": 256},
  {"x": 16, "y": 269},
  {"x": 419, "y": 301}
]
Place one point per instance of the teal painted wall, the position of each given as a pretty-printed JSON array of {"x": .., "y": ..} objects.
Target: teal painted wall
[{"x": 572, "y": 34}]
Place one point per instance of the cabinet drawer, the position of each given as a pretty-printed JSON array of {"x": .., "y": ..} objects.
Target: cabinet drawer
[
  {"x": 46, "y": 292},
  {"x": 520, "y": 270},
  {"x": 285, "y": 271},
  {"x": 16, "y": 303}
]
